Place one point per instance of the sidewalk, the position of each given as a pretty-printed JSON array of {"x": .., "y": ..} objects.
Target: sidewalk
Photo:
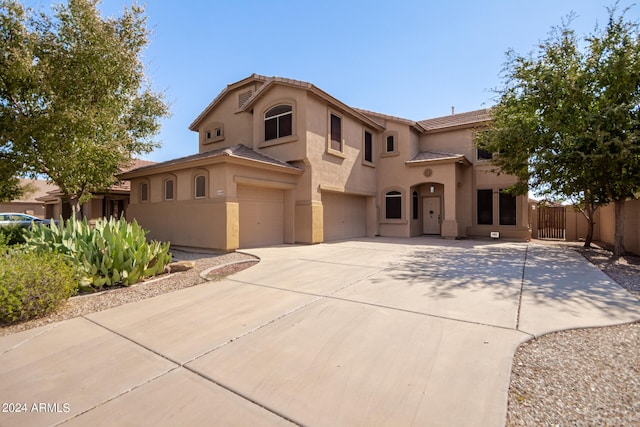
[{"x": 369, "y": 332}]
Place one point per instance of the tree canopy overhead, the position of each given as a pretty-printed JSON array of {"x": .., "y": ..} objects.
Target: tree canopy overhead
[
  {"x": 75, "y": 104},
  {"x": 567, "y": 121}
]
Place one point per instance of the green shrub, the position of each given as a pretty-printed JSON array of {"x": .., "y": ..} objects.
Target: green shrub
[
  {"x": 32, "y": 285},
  {"x": 11, "y": 235},
  {"x": 114, "y": 252}
]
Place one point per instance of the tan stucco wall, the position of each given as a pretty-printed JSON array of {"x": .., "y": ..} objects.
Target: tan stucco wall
[
  {"x": 212, "y": 221},
  {"x": 236, "y": 126},
  {"x": 604, "y": 229}
]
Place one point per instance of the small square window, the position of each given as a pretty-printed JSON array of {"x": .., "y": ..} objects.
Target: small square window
[
  {"x": 484, "y": 154},
  {"x": 218, "y": 132},
  {"x": 208, "y": 134}
]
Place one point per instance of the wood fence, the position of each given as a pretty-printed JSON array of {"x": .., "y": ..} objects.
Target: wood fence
[{"x": 552, "y": 222}]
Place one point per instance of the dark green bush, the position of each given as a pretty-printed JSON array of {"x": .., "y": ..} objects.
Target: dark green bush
[
  {"x": 11, "y": 235},
  {"x": 32, "y": 285}
]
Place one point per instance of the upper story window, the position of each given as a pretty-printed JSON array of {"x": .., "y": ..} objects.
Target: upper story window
[
  {"x": 200, "y": 186},
  {"x": 278, "y": 122},
  {"x": 484, "y": 154},
  {"x": 144, "y": 192},
  {"x": 214, "y": 134},
  {"x": 168, "y": 189},
  {"x": 336, "y": 132},
  {"x": 391, "y": 144},
  {"x": 368, "y": 146}
]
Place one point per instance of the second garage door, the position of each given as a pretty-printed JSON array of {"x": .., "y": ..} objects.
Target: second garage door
[
  {"x": 345, "y": 216},
  {"x": 261, "y": 216}
]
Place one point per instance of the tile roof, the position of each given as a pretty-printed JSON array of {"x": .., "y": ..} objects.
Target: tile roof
[
  {"x": 434, "y": 155},
  {"x": 239, "y": 151},
  {"x": 268, "y": 82},
  {"x": 377, "y": 116},
  {"x": 456, "y": 120},
  {"x": 39, "y": 188}
]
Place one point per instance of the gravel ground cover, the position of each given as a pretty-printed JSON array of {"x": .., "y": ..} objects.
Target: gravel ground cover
[
  {"x": 581, "y": 377},
  {"x": 90, "y": 303}
]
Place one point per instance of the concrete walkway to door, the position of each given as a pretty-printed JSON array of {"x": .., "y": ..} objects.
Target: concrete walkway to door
[{"x": 366, "y": 332}]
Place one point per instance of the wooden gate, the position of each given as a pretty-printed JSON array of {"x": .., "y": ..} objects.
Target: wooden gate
[{"x": 551, "y": 222}]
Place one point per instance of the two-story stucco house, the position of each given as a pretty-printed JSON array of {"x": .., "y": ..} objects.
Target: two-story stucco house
[{"x": 282, "y": 161}]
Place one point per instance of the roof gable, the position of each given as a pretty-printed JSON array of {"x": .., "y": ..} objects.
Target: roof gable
[{"x": 266, "y": 83}]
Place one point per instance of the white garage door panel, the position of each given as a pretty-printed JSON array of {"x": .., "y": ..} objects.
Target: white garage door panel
[
  {"x": 261, "y": 216},
  {"x": 345, "y": 217}
]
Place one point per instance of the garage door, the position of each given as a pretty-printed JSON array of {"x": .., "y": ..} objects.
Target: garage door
[
  {"x": 344, "y": 216},
  {"x": 261, "y": 216}
]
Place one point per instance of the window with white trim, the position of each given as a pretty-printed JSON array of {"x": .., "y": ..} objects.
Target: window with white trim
[
  {"x": 368, "y": 147},
  {"x": 393, "y": 205},
  {"x": 144, "y": 192},
  {"x": 200, "y": 186},
  {"x": 336, "y": 132},
  {"x": 168, "y": 189},
  {"x": 278, "y": 122}
]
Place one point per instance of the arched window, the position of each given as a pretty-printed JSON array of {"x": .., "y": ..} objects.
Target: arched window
[
  {"x": 144, "y": 191},
  {"x": 391, "y": 144},
  {"x": 393, "y": 205},
  {"x": 168, "y": 189},
  {"x": 278, "y": 122},
  {"x": 200, "y": 185}
]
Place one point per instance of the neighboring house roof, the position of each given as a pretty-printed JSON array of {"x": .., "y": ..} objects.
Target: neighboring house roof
[
  {"x": 239, "y": 152},
  {"x": 461, "y": 120},
  {"x": 436, "y": 157},
  {"x": 40, "y": 189},
  {"x": 269, "y": 82},
  {"x": 53, "y": 193}
]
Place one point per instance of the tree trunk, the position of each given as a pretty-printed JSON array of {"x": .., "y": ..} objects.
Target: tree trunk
[
  {"x": 589, "y": 213},
  {"x": 618, "y": 243},
  {"x": 75, "y": 208}
]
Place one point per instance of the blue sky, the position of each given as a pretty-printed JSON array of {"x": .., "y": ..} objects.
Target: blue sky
[{"x": 412, "y": 59}]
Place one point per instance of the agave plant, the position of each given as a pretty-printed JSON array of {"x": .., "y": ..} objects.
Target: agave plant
[{"x": 114, "y": 252}]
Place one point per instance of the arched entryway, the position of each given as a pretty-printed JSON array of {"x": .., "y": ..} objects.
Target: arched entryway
[{"x": 427, "y": 209}]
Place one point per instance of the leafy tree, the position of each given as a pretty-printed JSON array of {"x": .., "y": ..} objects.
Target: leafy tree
[
  {"x": 10, "y": 188},
  {"x": 74, "y": 101},
  {"x": 566, "y": 123}
]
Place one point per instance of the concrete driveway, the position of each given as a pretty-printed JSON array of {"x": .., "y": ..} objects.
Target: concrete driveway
[{"x": 367, "y": 332}]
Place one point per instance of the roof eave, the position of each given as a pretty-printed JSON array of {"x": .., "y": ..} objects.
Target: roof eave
[
  {"x": 202, "y": 162},
  {"x": 462, "y": 160},
  {"x": 478, "y": 124}
]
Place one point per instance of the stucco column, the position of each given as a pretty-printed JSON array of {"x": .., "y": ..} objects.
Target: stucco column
[
  {"x": 449, "y": 227},
  {"x": 309, "y": 221},
  {"x": 232, "y": 231},
  {"x": 372, "y": 217}
]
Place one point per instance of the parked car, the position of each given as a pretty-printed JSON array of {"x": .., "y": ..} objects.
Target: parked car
[{"x": 22, "y": 220}]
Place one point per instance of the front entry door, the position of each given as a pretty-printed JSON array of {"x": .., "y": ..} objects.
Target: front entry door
[{"x": 431, "y": 215}]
